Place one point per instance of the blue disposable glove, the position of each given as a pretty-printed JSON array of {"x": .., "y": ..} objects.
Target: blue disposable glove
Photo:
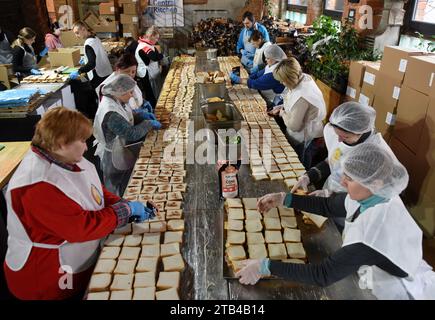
[
  {"x": 147, "y": 106},
  {"x": 156, "y": 124},
  {"x": 82, "y": 61},
  {"x": 145, "y": 115},
  {"x": 255, "y": 69},
  {"x": 249, "y": 55},
  {"x": 74, "y": 75},
  {"x": 234, "y": 78},
  {"x": 139, "y": 212},
  {"x": 35, "y": 72},
  {"x": 43, "y": 52}
]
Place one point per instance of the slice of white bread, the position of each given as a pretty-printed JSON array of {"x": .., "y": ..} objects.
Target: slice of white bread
[
  {"x": 253, "y": 225},
  {"x": 105, "y": 266},
  {"x": 236, "y": 253},
  {"x": 132, "y": 240},
  {"x": 253, "y": 215},
  {"x": 151, "y": 238},
  {"x": 250, "y": 203},
  {"x": 291, "y": 182},
  {"x": 123, "y": 230},
  {"x": 235, "y": 214},
  {"x": 298, "y": 261},
  {"x": 176, "y": 225},
  {"x": 289, "y": 222},
  {"x": 292, "y": 235},
  {"x": 110, "y": 252},
  {"x": 272, "y": 213},
  {"x": 233, "y": 203},
  {"x": 169, "y": 249},
  {"x": 236, "y": 225},
  {"x": 129, "y": 253},
  {"x": 105, "y": 295},
  {"x": 114, "y": 240},
  {"x": 122, "y": 282},
  {"x": 286, "y": 212},
  {"x": 144, "y": 279},
  {"x": 273, "y": 236},
  {"x": 121, "y": 295},
  {"x": 296, "y": 250},
  {"x": 235, "y": 237},
  {"x": 168, "y": 280},
  {"x": 144, "y": 293},
  {"x": 257, "y": 251},
  {"x": 173, "y": 236},
  {"x": 272, "y": 223},
  {"x": 141, "y": 228},
  {"x": 125, "y": 267},
  {"x": 173, "y": 263},
  {"x": 254, "y": 238},
  {"x": 169, "y": 294},
  {"x": 100, "y": 282},
  {"x": 277, "y": 251},
  {"x": 318, "y": 220},
  {"x": 150, "y": 250},
  {"x": 260, "y": 176},
  {"x": 147, "y": 264},
  {"x": 158, "y": 226},
  {"x": 174, "y": 214},
  {"x": 237, "y": 265}
]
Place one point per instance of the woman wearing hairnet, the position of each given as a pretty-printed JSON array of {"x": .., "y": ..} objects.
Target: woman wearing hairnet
[
  {"x": 263, "y": 80},
  {"x": 381, "y": 241},
  {"x": 117, "y": 130}
]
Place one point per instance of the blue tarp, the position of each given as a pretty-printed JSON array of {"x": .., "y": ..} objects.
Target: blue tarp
[{"x": 17, "y": 97}]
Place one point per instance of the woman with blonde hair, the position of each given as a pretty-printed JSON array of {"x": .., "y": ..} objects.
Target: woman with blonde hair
[
  {"x": 303, "y": 110},
  {"x": 148, "y": 57},
  {"x": 24, "y": 59}
]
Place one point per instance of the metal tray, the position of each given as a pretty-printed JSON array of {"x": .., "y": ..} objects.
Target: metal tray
[
  {"x": 211, "y": 90},
  {"x": 206, "y": 53},
  {"x": 228, "y": 110}
]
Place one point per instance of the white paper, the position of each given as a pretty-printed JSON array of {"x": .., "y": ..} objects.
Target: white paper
[
  {"x": 363, "y": 99},
  {"x": 402, "y": 65},
  {"x": 396, "y": 93},
  {"x": 112, "y": 9},
  {"x": 369, "y": 78},
  {"x": 391, "y": 119},
  {"x": 40, "y": 111},
  {"x": 68, "y": 98},
  {"x": 432, "y": 76},
  {"x": 351, "y": 92}
]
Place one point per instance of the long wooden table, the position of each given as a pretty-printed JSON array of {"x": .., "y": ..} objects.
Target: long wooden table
[{"x": 10, "y": 158}]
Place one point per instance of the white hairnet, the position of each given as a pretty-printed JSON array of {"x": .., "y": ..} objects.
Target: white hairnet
[
  {"x": 275, "y": 52},
  {"x": 376, "y": 169},
  {"x": 119, "y": 86},
  {"x": 354, "y": 117}
]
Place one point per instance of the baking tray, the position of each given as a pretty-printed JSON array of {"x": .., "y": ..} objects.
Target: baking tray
[{"x": 228, "y": 272}]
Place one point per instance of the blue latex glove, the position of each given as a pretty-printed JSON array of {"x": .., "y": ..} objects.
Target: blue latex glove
[
  {"x": 156, "y": 124},
  {"x": 250, "y": 55},
  {"x": 43, "y": 52},
  {"x": 145, "y": 115},
  {"x": 147, "y": 106},
  {"x": 235, "y": 78},
  {"x": 74, "y": 75},
  {"x": 139, "y": 212},
  {"x": 35, "y": 72},
  {"x": 82, "y": 61},
  {"x": 255, "y": 69}
]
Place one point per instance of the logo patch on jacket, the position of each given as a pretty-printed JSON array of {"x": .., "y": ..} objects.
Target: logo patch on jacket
[{"x": 98, "y": 197}]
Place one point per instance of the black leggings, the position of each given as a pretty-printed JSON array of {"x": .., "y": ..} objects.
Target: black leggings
[{"x": 145, "y": 85}]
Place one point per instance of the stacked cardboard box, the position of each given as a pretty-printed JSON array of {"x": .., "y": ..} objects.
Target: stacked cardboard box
[{"x": 130, "y": 17}]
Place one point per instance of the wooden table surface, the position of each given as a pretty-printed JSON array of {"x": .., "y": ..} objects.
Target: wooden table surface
[{"x": 10, "y": 158}]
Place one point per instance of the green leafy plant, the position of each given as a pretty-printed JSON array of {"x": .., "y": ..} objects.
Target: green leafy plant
[{"x": 426, "y": 45}]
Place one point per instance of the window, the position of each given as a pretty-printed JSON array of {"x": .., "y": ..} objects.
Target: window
[
  {"x": 422, "y": 17},
  {"x": 333, "y": 8},
  {"x": 297, "y": 11}
]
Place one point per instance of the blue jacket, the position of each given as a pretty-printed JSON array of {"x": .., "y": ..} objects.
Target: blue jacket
[
  {"x": 261, "y": 81},
  {"x": 260, "y": 27}
]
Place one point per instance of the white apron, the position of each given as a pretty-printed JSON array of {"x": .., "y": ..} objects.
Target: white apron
[
  {"x": 103, "y": 68},
  {"x": 269, "y": 95},
  {"x": 336, "y": 151},
  {"x": 153, "y": 69},
  {"x": 83, "y": 187},
  {"x": 258, "y": 58},
  {"x": 29, "y": 59},
  {"x": 135, "y": 102},
  {"x": 141, "y": 66},
  {"x": 389, "y": 229},
  {"x": 308, "y": 90},
  {"x": 122, "y": 157}
]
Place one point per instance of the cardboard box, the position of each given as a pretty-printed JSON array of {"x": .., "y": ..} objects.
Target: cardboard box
[
  {"x": 91, "y": 19},
  {"x": 411, "y": 117},
  {"x": 106, "y": 26},
  {"x": 367, "y": 95},
  {"x": 122, "y": 2},
  {"x": 130, "y": 30},
  {"x": 53, "y": 5},
  {"x": 4, "y": 74},
  {"x": 356, "y": 73},
  {"x": 64, "y": 57},
  {"x": 129, "y": 19},
  {"x": 420, "y": 74},
  {"x": 107, "y": 8},
  {"x": 69, "y": 39},
  {"x": 352, "y": 93},
  {"x": 395, "y": 61},
  {"x": 131, "y": 8},
  {"x": 369, "y": 79}
]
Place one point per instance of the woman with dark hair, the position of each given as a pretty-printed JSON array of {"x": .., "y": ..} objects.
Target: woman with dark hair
[
  {"x": 257, "y": 40},
  {"x": 52, "y": 40}
]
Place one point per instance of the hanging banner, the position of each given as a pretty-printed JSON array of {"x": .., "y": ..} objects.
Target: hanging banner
[{"x": 165, "y": 13}]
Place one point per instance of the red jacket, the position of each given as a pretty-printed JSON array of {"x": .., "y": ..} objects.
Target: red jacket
[{"x": 50, "y": 217}]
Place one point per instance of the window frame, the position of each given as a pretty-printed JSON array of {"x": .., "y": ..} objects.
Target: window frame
[
  {"x": 427, "y": 29},
  {"x": 334, "y": 14}
]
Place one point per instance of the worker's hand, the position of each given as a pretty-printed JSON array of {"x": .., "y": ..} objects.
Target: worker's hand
[
  {"x": 276, "y": 110},
  {"x": 44, "y": 52},
  {"x": 139, "y": 212},
  {"x": 145, "y": 115},
  {"x": 270, "y": 201},
  {"x": 302, "y": 183},
  {"x": 253, "y": 270},
  {"x": 234, "y": 78},
  {"x": 82, "y": 61},
  {"x": 156, "y": 124},
  {"x": 255, "y": 69},
  {"x": 35, "y": 72},
  {"x": 147, "y": 106},
  {"x": 74, "y": 75},
  {"x": 320, "y": 193}
]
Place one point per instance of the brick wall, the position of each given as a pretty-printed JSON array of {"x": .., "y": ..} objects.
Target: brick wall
[{"x": 314, "y": 10}]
